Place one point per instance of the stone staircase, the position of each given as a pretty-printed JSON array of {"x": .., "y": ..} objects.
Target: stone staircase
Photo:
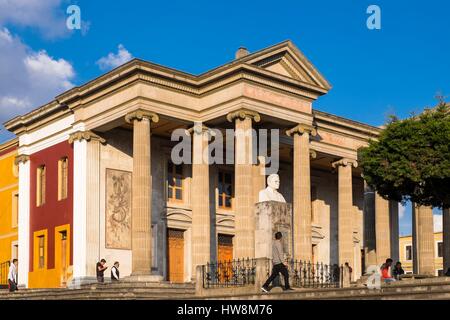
[
  {"x": 414, "y": 289},
  {"x": 423, "y": 289},
  {"x": 107, "y": 291}
]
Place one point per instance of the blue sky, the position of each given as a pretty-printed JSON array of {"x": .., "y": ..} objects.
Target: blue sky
[{"x": 398, "y": 69}]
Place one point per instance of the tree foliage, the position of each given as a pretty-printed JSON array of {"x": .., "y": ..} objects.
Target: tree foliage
[{"x": 411, "y": 159}]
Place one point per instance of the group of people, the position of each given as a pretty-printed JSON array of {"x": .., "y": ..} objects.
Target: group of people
[
  {"x": 101, "y": 268},
  {"x": 388, "y": 275}
]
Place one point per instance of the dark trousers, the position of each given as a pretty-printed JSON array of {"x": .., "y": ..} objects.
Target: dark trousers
[
  {"x": 277, "y": 269},
  {"x": 12, "y": 286},
  {"x": 100, "y": 279}
]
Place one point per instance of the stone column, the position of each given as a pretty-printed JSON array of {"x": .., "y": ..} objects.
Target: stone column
[
  {"x": 23, "y": 161},
  {"x": 244, "y": 197},
  {"x": 394, "y": 230},
  {"x": 201, "y": 252},
  {"x": 370, "y": 253},
  {"x": 423, "y": 239},
  {"x": 302, "y": 191},
  {"x": 382, "y": 229},
  {"x": 86, "y": 211},
  {"x": 141, "y": 229},
  {"x": 345, "y": 210},
  {"x": 259, "y": 177},
  {"x": 446, "y": 237}
]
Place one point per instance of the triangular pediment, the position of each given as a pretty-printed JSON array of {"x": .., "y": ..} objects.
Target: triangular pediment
[{"x": 287, "y": 60}]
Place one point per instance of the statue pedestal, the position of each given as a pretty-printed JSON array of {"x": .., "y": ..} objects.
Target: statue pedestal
[{"x": 271, "y": 217}]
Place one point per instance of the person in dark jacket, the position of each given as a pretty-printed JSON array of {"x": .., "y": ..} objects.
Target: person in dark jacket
[
  {"x": 278, "y": 265},
  {"x": 115, "y": 275},
  {"x": 101, "y": 267},
  {"x": 398, "y": 270}
]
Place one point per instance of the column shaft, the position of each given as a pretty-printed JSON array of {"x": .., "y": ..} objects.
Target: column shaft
[
  {"x": 244, "y": 201},
  {"x": 423, "y": 240},
  {"x": 259, "y": 177},
  {"x": 92, "y": 190},
  {"x": 446, "y": 237},
  {"x": 345, "y": 214},
  {"x": 141, "y": 199},
  {"x": 382, "y": 229},
  {"x": 370, "y": 253},
  {"x": 201, "y": 252},
  {"x": 302, "y": 197},
  {"x": 394, "y": 230}
]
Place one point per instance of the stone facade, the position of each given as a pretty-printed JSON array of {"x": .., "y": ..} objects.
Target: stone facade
[{"x": 184, "y": 215}]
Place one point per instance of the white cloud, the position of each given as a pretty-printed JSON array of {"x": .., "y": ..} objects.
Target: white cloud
[
  {"x": 113, "y": 60},
  {"x": 28, "y": 78},
  {"x": 437, "y": 219},
  {"x": 47, "y": 16}
]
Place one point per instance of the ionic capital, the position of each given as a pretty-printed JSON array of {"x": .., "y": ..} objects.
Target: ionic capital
[
  {"x": 345, "y": 162},
  {"x": 312, "y": 154},
  {"x": 23, "y": 158},
  {"x": 141, "y": 114},
  {"x": 301, "y": 129},
  {"x": 199, "y": 128},
  {"x": 85, "y": 135},
  {"x": 243, "y": 114}
]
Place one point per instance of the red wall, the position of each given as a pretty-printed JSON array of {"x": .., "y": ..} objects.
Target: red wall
[{"x": 53, "y": 213}]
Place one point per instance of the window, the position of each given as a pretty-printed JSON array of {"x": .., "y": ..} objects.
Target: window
[
  {"x": 409, "y": 253},
  {"x": 41, "y": 251},
  {"x": 175, "y": 182},
  {"x": 40, "y": 186},
  {"x": 15, "y": 209},
  {"x": 440, "y": 249},
  {"x": 225, "y": 190},
  {"x": 63, "y": 172}
]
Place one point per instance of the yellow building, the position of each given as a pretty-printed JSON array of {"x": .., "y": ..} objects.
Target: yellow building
[
  {"x": 9, "y": 199},
  {"x": 406, "y": 253}
]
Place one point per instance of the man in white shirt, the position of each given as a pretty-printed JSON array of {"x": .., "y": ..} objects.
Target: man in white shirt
[
  {"x": 12, "y": 275},
  {"x": 115, "y": 276}
]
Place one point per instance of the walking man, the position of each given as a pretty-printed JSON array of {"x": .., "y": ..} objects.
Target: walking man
[
  {"x": 278, "y": 265},
  {"x": 12, "y": 276}
]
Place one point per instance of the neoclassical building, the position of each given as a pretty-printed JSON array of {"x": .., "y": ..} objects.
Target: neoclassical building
[{"x": 97, "y": 180}]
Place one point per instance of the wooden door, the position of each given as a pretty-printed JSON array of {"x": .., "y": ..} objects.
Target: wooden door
[
  {"x": 224, "y": 256},
  {"x": 63, "y": 258},
  {"x": 175, "y": 255},
  {"x": 225, "y": 247}
]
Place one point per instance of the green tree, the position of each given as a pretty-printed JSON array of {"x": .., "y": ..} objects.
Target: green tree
[{"x": 411, "y": 159}]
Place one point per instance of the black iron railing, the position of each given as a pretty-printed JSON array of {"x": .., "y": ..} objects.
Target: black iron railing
[
  {"x": 4, "y": 270},
  {"x": 233, "y": 273},
  {"x": 305, "y": 274}
]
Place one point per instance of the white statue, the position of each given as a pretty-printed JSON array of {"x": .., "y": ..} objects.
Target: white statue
[{"x": 270, "y": 193}]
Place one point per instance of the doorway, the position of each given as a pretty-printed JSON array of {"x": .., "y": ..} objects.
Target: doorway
[{"x": 175, "y": 255}]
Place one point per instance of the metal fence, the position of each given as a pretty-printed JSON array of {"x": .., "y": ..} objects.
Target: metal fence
[
  {"x": 305, "y": 274},
  {"x": 233, "y": 273},
  {"x": 4, "y": 270}
]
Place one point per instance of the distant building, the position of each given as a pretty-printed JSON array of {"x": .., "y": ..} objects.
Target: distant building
[
  {"x": 9, "y": 200},
  {"x": 406, "y": 253}
]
